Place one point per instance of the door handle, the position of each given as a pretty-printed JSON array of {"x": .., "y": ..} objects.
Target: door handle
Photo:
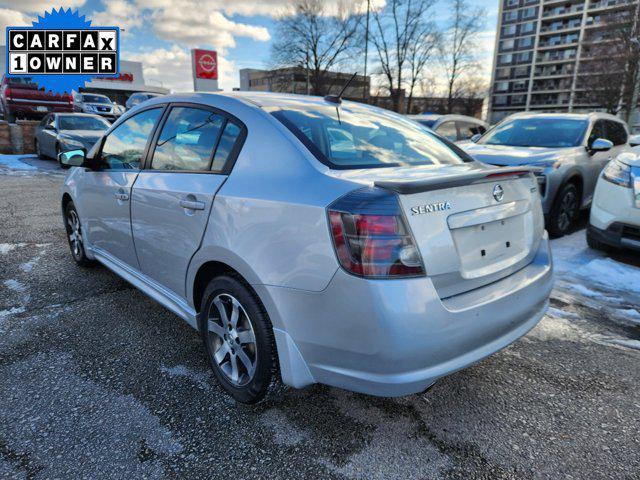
[
  {"x": 192, "y": 204},
  {"x": 122, "y": 196}
]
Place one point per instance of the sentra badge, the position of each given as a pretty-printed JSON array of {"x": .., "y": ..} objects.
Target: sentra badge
[{"x": 430, "y": 208}]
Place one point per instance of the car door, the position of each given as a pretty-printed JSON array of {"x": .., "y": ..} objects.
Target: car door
[
  {"x": 596, "y": 160},
  {"x": 49, "y": 136},
  {"x": 106, "y": 191},
  {"x": 173, "y": 195}
]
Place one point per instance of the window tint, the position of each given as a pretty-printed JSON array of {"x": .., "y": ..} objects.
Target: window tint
[
  {"x": 358, "y": 136},
  {"x": 225, "y": 147},
  {"x": 468, "y": 129},
  {"x": 187, "y": 140},
  {"x": 537, "y": 132},
  {"x": 124, "y": 147},
  {"x": 448, "y": 131},
  {"x": 616, "y": 133},
  {"x": 598, "y": 131}
]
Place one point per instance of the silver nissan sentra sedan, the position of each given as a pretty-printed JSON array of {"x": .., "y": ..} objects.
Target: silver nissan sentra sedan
[{"x": 312, "y": 239}]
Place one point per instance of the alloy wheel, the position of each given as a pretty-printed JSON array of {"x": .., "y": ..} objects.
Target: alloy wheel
[
  {"x": 75, "y": 234},
  {"x": 567, "y": 211},
  {"x": 232, "y": 340}
]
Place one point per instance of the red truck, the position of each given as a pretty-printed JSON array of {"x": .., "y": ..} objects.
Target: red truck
[{"x": 21, "y": 98}]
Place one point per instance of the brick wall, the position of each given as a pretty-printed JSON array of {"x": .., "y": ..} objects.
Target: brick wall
[{"x": 17, "y": 138}]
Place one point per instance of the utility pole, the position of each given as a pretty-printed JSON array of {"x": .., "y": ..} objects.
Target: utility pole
[{"x": 366, "y": 53}]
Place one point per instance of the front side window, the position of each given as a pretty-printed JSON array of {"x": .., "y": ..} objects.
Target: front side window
[
  {"x": 537, "y": 132},
  {"x": 123, "y": 148},
  {"x": 616, "y": 132},
  {"x": 356, "y": 136},
  {"x": 187, "y": 140},
  {"x": 598, "y": 131}
]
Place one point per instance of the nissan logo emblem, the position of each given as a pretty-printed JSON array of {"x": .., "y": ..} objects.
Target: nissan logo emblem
[{"x": 498, "y": 193}]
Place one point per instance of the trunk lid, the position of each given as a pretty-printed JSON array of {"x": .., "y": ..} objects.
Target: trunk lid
[{"x": 473, "y": 224}]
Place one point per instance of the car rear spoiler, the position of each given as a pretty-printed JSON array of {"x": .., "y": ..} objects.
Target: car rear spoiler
[{"x": 407, "y": 187}]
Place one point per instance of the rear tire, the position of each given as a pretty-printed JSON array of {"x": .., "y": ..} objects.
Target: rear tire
[
  {"x": 238, "y": 339},
  {"x": 75, "y": 236},
  {"x": 564, "y": 211}
]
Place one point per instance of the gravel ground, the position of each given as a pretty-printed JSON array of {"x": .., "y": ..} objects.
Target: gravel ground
[{"x": 98, "y": 381}]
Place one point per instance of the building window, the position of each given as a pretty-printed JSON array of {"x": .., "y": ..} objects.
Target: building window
[
  {"x": 521, "y": 72},
  {"x": 500, "y": 100},
  {"x": 518, "y": 99},
  {"x": 511, "y": 15},
  {"x": 505, "y": 58},
  {"x": 525, "y": 42},
  {"x": 502, "y": 86},
  {"x": 503, "y": 72},
  {"x": 524, "y": 57},
  {"x": 507, "y": 44},
  {"x": 509, "y": 30},
  {"x": 512, "y": 3},
  {"x": 527, "y": 27},
  {"x": 529, "y": 12},
  {"x": 519, "y": 86}
]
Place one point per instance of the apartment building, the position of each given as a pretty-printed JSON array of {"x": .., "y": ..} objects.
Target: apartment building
[{"x": 547, "y": 49}]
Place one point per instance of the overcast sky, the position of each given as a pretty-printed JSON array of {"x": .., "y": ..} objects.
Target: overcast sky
[{"x": 160, "y": 32}]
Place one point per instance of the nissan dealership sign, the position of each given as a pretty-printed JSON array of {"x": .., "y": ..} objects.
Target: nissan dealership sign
[{"x": 205, "y": 69}]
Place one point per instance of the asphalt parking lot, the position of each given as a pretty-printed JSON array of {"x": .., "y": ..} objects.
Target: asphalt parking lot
[{"x": 98, "y": 381}]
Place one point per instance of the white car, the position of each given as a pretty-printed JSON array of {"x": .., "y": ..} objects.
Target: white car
[{"x": 615, "y": 213}]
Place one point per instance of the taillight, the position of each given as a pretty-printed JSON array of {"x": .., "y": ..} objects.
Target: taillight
[
  {"x": 371, "y": 237},
  {"x": 7, "y": 93}
]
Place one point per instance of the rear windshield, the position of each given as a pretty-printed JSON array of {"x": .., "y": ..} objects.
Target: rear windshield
[
  {"x": 537, "y": 132},
  {"x": 426, "y": 123},
  {"x": 82, "y": 123},
  {"x": 95, "y": 99},
  {"x": 353, "y": 136}
]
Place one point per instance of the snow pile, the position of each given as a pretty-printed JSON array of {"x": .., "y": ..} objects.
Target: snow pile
[{"x": 14, "y": 162}]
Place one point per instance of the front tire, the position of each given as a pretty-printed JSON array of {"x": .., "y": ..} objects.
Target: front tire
[
  {"x": 75, "y": 236},
  {"x": 564, "y": 211},
  {"x": 238, "y": 338}
]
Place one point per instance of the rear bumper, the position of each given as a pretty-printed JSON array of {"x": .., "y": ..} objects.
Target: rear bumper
[
  {"x": 397, "y": 337},
  {"x": 30, "y": 110}
]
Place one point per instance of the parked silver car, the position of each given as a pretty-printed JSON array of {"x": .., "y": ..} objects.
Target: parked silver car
[
  {"x": 97, "y": 104},
  {"x": 571, "y": 149},
  {"x": 377, "y": 268},
  {"x": 60, "y": 132},
  {"x": 455, "y": 128}
]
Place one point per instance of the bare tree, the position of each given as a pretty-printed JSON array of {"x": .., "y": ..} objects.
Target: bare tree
[
  {"x": 311, "y": 37},
  {"x": 614, "y": 62},
  {"x": 458, "y": 49},
  {"x": 405, "y": 40}
]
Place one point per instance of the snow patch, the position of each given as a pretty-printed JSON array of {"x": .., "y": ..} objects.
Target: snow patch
[
  {"x": 557, "y": 313},
  {"x": 634, "y": 344},
  {"x": 12, "y": 311},
  {"x": 14, "y": 162},
  {"x": 610, "y": 273},
  {"x": 15, "y": 285},
  {"x": 284, "y": 432},
  {"x": 8, "y": 247},
  {"x": 200, "y": 379}
]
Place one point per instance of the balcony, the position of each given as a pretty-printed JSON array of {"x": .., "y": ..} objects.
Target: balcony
[
  {"x": 609, "y": 3},
  {"x": 563, "y": 11},
  {"x": 552, "y": 86},
  {"x": 561, "y": 41},
  {"x": 561, "y": 26},
  {"x": 557, "y": 56}
]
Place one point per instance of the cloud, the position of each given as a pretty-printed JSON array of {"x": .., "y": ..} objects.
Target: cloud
[
  {"x": 172, "y": 67},
  {"x": 120, "y": 13},
  {"x": 189, "y": 23},
  {"x": 10, "y": 18},
  {"x": 40, "y": 6}
]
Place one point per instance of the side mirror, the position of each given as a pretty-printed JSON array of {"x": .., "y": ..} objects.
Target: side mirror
[
  {"x": 601, "y": 145},
  {"x": 476, "y": 137},
  {"x": 634, "y": 140},
  {"x": 73, "y": 158}
]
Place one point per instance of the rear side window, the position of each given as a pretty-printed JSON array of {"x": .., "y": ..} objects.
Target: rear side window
[
  {"x": 448, "y": 130},
  {"x": 188, "y": 139},
  {"x": 123, "y": 148},
  {"x": 356, "y": 136},
  {"x": 616, "y": 132},
  {"x": 226, "y": 146}
]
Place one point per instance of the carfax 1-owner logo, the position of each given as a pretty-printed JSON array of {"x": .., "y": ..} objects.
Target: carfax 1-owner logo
[{"x": 62, "y": 51}]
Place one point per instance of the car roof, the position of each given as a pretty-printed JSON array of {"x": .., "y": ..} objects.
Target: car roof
[
  {"x": 75, "y": 114},
  {"x": 574, "y": 116}
]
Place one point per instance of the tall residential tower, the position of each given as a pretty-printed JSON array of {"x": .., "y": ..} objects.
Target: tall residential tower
[{"x": 546, "y": 50}]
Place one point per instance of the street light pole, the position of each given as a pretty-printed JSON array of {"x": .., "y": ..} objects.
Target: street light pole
[{"x": 366, "y": 52}]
